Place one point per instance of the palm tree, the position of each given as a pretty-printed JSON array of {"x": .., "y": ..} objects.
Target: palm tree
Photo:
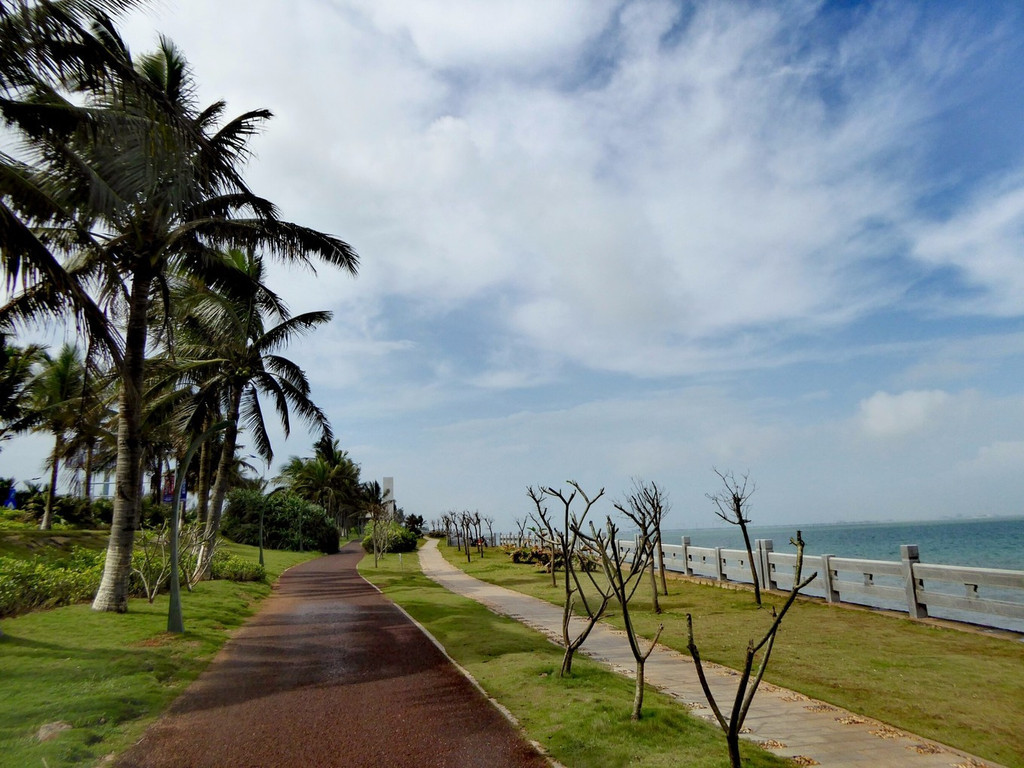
[
  {"x": 233, "y": 358},
  {"x": 57, "y": 403},
  {"x": 124, "y": 187},
  {"x": 330, "y": 478},
  {"x": 16, "y": 372},
  {"x": 93, "y": 429}
]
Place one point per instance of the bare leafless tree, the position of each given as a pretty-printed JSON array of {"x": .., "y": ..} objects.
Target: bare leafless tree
[
  {"x": 543, "y": 527},
  {"x": 450, "y": 520},
  {"x": 521, "y": 525},
  {"x": 152, "y": 564},
  {"x": 747, "y": 688},
  {"x": 477, "y": 527},
  {"x": 624, "y": 576},
  {"x": 732, "y": 504},
  {"x": 489, "y": 522},
  {"x": 646, "y": 506},
  {"x": 466, "y": 524},
  {"x": 576, "y": 558}
]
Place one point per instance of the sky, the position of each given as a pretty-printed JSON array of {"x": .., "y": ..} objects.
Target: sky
[{"x": 606, "y": 240}]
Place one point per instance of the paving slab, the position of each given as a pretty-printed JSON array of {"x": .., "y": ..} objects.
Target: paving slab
[{"x": 782, "y": 721}]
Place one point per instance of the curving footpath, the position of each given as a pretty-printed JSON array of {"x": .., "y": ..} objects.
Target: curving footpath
[
  {"x": 784, "y": 722},
  {"x": 330, "y": 673}
]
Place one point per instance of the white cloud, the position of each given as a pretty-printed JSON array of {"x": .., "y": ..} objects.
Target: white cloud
[
  {"x": 885, "y": 415},
  {"x": 634, "y": 204},
  {"x": 983, "y": 242},
  {"x": 527, "y": 34},
  {"x": 997, "y": 460}
]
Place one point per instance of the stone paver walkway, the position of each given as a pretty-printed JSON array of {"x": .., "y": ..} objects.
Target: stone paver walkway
[{"x": 783, "y": 721}]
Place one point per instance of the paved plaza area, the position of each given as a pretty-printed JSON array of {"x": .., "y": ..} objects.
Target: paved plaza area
[{"x": 783, "y": 721}]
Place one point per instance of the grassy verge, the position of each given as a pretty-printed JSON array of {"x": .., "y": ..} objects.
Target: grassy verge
[
  {"x": 582, "y": 721},
  {"x": 960, "y": 688},
  {"x": 108, "y": 675}
]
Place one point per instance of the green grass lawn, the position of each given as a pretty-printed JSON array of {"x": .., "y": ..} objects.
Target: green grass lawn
[
  {"x": 583, "y": 721},
  {"x": 962, "y": 688},
  {"x": 108, "y": 675}
]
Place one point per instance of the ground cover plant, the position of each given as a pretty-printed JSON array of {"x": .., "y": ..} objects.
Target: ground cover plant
[
  {"x": 957, "y": 687},
  {"x": 108, "y": 675},
  {"x": 582, "y": 720}
]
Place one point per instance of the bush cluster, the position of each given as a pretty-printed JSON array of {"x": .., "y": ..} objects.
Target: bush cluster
[
  {"x": 284, "y": 516},
  {"x": 71, "y": 511},
  {"x": 399, "y": 540},
  {"x": 235, "y": 568},
  {"x": 542, "y": 557},
  {"x": 29, "y": 584}
]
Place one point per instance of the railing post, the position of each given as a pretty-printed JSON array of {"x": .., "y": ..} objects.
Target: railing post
[
  {"x": 767, "y": 547},
  {"x": 687, "y": 568},
  {"x": 909, "y": 555},
  {"x": 718, "y": 564},
  {"x": 760, "y": 562},
  {"x": 826, "y": 576}
]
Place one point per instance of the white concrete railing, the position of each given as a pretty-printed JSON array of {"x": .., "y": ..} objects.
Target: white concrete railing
[
  {"x": 908, "y": 584},
  {"x": 987, "y": 596}
]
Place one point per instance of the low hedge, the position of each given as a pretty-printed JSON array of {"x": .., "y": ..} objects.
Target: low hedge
[
  {"x": 29, "y": 584},
  {"x": 235, "y": 568}
]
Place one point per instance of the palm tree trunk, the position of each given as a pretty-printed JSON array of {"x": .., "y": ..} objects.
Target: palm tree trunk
[
  {"x": 156, "y": 483},
  {"x": 89, "y": 448},
  {"x": 47, "y": 521},
  {"x": 206, "y": 458},
  {"x": 113, "y": 591},
  {"x": 220, "y": 487}
]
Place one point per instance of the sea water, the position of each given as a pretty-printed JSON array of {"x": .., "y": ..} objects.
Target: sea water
[{"x": 978, "y": 543}]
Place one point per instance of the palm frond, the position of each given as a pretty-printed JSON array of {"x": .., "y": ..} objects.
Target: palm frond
[
  {"x": 279, "y": 336},
  {"x": 255, "y": 425}
]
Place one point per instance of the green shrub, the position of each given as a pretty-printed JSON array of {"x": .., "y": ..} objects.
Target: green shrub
[
  {"x": 399, "y": 539},
  {"x": 284, "y": 516},
  {"x": 29, "y": 584},
  {"x": 585, "y": 561},
  {"x": 13, "y": 519},
  {"x": 235, "y": 568},
  {"x": 103, "y": 511}
]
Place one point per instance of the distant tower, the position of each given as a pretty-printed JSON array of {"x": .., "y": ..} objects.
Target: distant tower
[{"x": 388, "y": 491}]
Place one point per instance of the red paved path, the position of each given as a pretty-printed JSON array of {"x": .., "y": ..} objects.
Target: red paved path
[{"x": 329, "y": 673}]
